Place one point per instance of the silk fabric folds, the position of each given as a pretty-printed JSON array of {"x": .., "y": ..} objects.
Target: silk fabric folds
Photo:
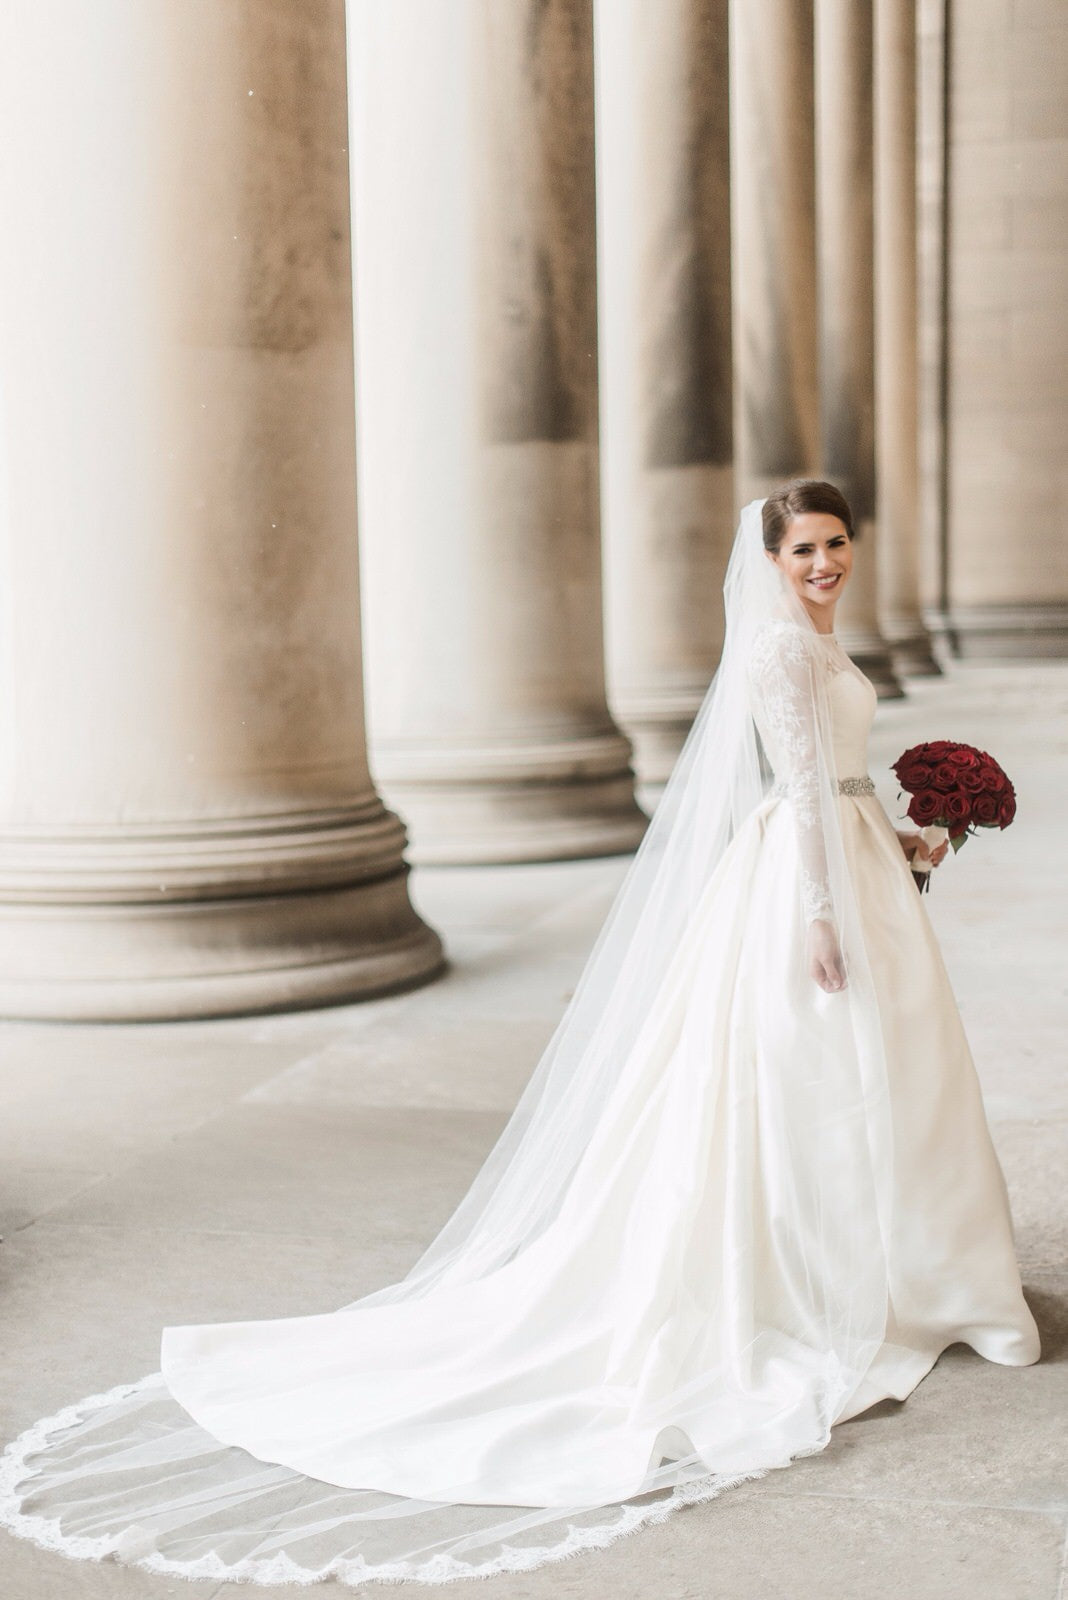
[{"x": 730, "y": 1210}]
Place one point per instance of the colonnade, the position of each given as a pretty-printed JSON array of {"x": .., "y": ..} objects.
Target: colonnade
[
  {"x": 187, "y": 820},
  {"x": 617, "y": 268}
]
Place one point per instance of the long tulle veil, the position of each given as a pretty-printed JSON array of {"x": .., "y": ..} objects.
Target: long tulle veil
[
  {"x": 131, "y": 1475},
  {"x": 717, "y": 781}
]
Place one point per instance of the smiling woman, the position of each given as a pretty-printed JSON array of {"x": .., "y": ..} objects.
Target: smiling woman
[
  {"x": 716, "y": 1225},
  {"x": 808, "y": 533}
]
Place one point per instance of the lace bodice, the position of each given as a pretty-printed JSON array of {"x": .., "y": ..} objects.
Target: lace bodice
[
  {"x": 782, "y": 692},
  {"x": 781, "y": 653}
]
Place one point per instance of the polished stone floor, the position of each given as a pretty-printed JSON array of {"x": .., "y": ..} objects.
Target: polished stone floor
[{"x": 263, "y": 1167}]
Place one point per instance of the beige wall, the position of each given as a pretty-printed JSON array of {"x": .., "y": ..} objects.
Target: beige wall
[{"x": 1007, "y": 344}]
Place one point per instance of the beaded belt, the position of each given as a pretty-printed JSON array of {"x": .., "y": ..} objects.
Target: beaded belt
[{"x": 863, "y": 785}]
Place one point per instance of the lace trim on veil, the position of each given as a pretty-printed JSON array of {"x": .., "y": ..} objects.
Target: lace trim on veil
[{"x": 17, "y": 1472}]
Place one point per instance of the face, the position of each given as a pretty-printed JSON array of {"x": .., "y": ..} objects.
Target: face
[{"x": 816, "y": 556}]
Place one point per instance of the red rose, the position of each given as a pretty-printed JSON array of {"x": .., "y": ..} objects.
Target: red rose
[
  {"x": 925, "y": 807},
  {"x": 914, "y": 775},
  {"x": 956, "y": 807},
  {"x": 956, "y": 785},
  {"x": 985, "y": 810}
]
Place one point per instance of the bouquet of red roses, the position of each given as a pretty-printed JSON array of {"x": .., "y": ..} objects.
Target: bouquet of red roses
[{"x": 955, "y": 789}]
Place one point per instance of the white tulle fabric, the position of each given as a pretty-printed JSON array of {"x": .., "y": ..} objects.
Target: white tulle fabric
[{"x": 686, "y": 1257}]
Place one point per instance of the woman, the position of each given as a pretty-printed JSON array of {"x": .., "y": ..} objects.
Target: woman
[{"x": 748, "y": 1192}]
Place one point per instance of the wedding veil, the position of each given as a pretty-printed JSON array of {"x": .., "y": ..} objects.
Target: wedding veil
[
  {"x": 719, "y": 779},
  {"x": 130, "y": 1474}
]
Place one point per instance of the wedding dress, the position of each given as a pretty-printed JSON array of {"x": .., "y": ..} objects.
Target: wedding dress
[{"x": 730, "y": 1210}]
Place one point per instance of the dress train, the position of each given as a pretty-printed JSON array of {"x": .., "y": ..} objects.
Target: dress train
[{"x": 758, "y": 1241}]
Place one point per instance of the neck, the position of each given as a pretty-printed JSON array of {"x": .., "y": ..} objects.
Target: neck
[{"x": 822, "y": 618}]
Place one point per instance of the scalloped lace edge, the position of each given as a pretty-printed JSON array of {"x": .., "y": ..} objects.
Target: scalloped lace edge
[{"x": 281, "y": 1569}]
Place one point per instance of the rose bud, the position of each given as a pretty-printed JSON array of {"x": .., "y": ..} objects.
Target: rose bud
[
  {"x": 925, "y": 807},
  {"x": 985, "y": 810},
  {"x": 956, "y": 807}
]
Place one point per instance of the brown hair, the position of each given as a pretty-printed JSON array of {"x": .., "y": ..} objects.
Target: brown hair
[{"x": 797, "y": 497}]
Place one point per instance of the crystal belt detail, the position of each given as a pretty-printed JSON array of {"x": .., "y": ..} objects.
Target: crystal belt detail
[{"x": 863, "y": 785}]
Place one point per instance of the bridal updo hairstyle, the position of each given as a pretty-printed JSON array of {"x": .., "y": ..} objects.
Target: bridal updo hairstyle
[{"x": 797, "y": 497}]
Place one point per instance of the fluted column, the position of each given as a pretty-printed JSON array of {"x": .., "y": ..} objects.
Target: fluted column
[
  {"x": 666, "y": 393},
  {"x": 896, "y": 337},
  {"x": 477, "y": 378},
  {"x": 773, "y": 178},
  {"x": 847, "y": 309},
  {"x": 187, "y": 824}
]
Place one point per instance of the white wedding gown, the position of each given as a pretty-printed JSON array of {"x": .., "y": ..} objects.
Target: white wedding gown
[{"x": 663, "y": 1336}]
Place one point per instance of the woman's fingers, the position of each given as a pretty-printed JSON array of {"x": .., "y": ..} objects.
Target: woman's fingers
[
  {"x": 830, "y": 975},
  {"x": 826, "y": 966}
]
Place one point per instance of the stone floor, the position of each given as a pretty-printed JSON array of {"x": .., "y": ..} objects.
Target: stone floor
[{"x": 263, "y": 1167}]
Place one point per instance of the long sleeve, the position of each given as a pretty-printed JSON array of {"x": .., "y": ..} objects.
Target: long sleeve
[{"x": 782, "y": 677}]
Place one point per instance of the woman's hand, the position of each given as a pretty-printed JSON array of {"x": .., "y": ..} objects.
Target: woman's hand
[
  {"x": 825, "y": 957},
  {"x": 916, "y": 844}
]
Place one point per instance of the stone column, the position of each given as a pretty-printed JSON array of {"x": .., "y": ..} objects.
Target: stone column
[
  {"x": 666, "y": 394},
  {"x": 846, "y": 295},
  {"x": 896, "y": 337},
  {"x": 477, "y": 377},
  {"x": 187, "y": 825},
  {"x": 932, "y": 319},
  {"x": 773, "y": 178}
]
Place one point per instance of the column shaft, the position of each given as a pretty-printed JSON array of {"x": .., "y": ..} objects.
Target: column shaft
[
  {"x": 932, "y": 317},
  {"x": 187, "y": 824},
  {"x": 477, "y": 359},
  {"x": 773, "y": 177},
  {"x": 896, "y": 336},
  {"x": 666, "y": 397},
  {"x": 846, "y": 297}
]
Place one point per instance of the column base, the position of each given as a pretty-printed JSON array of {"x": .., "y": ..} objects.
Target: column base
[
  {"x": 914, "y": 657},
  {"x": 509, "y": 823},
  {"x": 657, "y": 726},
  {"x": 910, "y": 643},
  {"x": 248, "y": 920},
  {"x": 874, "y": 658},
  {"x": 551, "y": 800},
  {"x": 657, "y": 743},
  {"x": 977, "y": 633}
]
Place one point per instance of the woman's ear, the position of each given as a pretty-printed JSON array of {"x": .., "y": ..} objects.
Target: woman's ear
[{"x": 772, "y": 555}]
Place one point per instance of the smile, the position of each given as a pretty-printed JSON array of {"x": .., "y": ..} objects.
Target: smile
[{"x": 825, "y": 583}]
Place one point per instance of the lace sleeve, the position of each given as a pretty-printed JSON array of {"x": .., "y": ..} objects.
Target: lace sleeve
[{"x": 782, "y": 678}]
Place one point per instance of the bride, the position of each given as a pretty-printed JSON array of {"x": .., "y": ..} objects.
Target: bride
[{"x": 748, "y": 1192}]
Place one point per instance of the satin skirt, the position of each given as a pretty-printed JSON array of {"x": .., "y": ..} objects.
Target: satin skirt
[
  {"x": 681, "y": 1262},
  {"x": 758, "y": 1241}
]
